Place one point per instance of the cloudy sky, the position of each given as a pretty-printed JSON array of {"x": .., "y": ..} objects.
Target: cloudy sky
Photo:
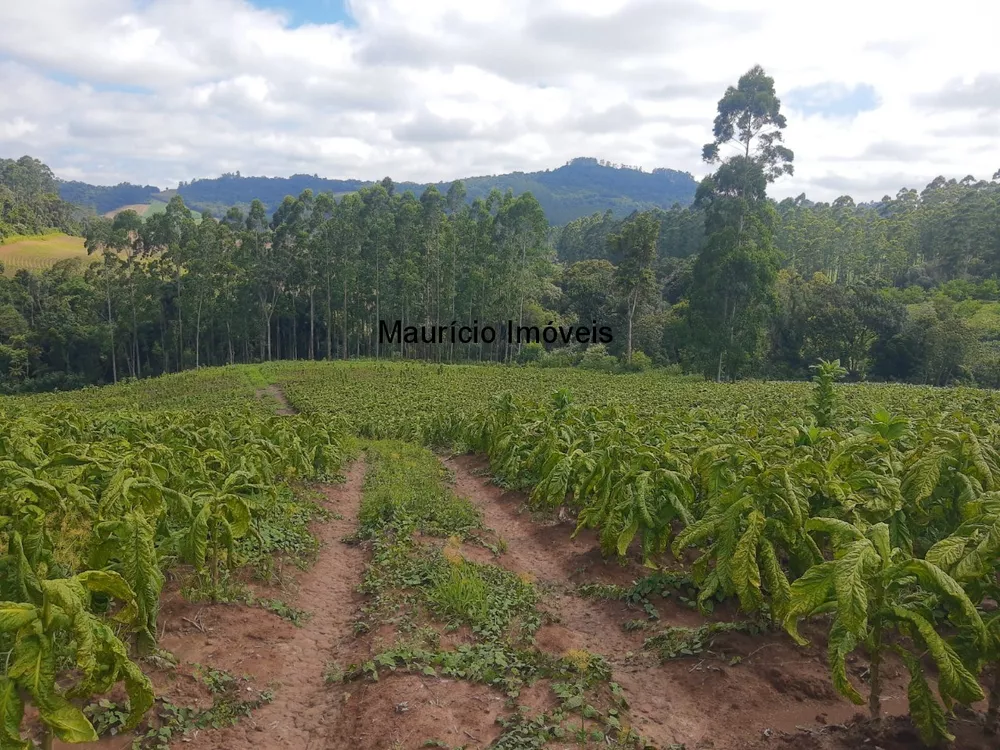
[{"x": 878, "y": 93}]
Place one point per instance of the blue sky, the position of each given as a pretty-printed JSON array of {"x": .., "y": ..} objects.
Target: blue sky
[
  {"x": 159, "y": 91},
  {"x": 834, "y": 100},
  {"x": 311, "y": 11}
]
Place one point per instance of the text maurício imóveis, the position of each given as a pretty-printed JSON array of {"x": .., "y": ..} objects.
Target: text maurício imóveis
[{"x": 487, "y": 334}]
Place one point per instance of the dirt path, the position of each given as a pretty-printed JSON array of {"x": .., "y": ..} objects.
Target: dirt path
[
  {"x": 284, "y": 408},
  {"x": 765, "y": 684},
  {"x": 293, "y": 660}
]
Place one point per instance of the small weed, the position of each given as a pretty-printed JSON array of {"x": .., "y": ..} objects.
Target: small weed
[
  {"x": 295, "y": 616},
  {"x": 677, "y": 642},
  {"x": 167, "y": 722},
  {"x": 664, "y": 583}
]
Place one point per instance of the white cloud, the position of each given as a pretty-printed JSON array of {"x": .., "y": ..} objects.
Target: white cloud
[{"x": 157, "y": 91}]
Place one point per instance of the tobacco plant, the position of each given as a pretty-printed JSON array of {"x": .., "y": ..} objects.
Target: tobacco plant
[
  {"x": 59, "y": 612},
  {"x": 882, "y": 599}
]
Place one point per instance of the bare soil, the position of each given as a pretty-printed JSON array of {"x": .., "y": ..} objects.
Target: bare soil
[
  {"x": 271, "y": 651},
  {"x": 748, "y": 692},
  {"x": 283, "y": 408}
]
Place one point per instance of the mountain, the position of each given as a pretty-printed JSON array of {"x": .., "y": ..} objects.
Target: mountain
[{"x": 579, "y": 188}]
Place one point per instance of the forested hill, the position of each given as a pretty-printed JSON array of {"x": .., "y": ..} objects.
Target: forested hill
[
  {"x": 29, "y": 203},
  {"x": 579, "y": 188},
  {"x": 104, "y": 198}
]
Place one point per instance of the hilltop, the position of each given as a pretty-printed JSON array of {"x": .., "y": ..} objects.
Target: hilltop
[{"x": 579, "y": 188}]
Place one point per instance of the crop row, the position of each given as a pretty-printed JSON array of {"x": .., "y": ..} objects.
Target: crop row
[
  {"x": 797, "y": 503},
  {"x": 95, "y": 506}
]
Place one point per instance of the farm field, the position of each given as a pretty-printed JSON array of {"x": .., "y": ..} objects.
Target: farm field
[
  {"x": 139, "y": 208},
  {"x": 43, "y": 251},
  {"x": 408, "y": 555}
]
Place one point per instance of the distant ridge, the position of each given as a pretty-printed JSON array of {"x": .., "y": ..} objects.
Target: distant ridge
[{"x": 581, "y": 187}]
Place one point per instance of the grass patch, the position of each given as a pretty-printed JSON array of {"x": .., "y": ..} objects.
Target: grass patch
[
  {"x": 413, "y": 581},
  {"x": 404, "y": 492}
]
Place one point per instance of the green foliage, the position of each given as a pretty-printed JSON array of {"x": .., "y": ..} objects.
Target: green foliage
[
  {"x": 678, "y": 642},
  {"x": 873, "y": 589},
  {"x": 231, "y": 701},
  {"x": 404, "y": 492},
  {"x": 94, "y": 506},
  {"x": 824, "y": 405},
  {"x": 59, "y": 608}
]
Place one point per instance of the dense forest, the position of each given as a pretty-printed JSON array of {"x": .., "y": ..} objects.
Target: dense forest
[
  {"x": 576, "y": 189},
  {"x": 30, "y": 202},
  {"x": 734, "y": 285}
]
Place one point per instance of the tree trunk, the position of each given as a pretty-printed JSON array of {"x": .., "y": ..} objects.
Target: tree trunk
[
  {"x": 312, "y": 325},
  {"x": 135, "y": 328},
  {"x": 111, "y": 329},
  {"x": 329, "y": 322},
  {"x": 197, "y": 337},
  {"x": 180, "y": 324},
  {"x": 346, "y": 353},
  {"x": 631, "y": 317}
]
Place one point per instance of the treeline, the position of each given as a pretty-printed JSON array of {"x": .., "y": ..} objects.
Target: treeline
[
  {"x": 104, "y": 198},
  {"x": 176, "y": 290},
  {"x": 899, "y": 289},
  {"x": 949, "y": 230},
  {"x": 736, "y": 285},
  {"x": 30, "y": 202}
]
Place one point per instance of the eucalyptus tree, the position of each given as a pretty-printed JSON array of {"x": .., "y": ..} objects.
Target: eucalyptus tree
[
  {"x": 732, "y": 292},
  {"x": 635, "y": 244}
]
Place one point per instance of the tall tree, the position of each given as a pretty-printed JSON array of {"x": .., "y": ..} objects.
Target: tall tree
[
  {"x": 635, "y": 245},
  {"x": 732, "y": 291}
]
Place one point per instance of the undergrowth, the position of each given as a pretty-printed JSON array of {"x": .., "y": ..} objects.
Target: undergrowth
[
  {"x": 419, "y": 581},
  {"x": 167, "y": 722}
]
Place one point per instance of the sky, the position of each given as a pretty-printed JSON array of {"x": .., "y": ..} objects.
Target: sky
[{"x": 877, "y": 95}]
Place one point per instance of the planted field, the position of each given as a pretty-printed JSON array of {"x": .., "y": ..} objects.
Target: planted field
[
  {"x": 139, "y": 208},
  {"x": 625, "y": 561},
  {"x": 43, "y": 251}
]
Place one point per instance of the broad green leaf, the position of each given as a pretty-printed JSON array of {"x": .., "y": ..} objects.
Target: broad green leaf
[
  {"x": 940, "y": 582},
  {"x": 15, "y": 615},
  {"x": 925, "y": 712},
  {"x": 841, "y": 643},
  {"x": 850, "y": 583},
  {"x": 67, "y": 721},
  {"x": 11, "y": 715},
  {"x": 745, "y": 571},
  {"x": 806, "y": 594},
  {"x": 947, "y": 552},
  {"x": 834, "y": 526},
  {"x": 774, "y": 578},
  {"x": 955, "y": 680}
]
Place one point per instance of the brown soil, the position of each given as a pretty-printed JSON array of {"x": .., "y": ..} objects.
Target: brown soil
[
  {"x": 283, "y": 408},
  {"x": 291, "y": 659},
  {"x": 270, "y": 650},
  {"x": 751, "y": 692},
  {"x": 895, "y": 734},
  {"x": 747, "y": 689}
]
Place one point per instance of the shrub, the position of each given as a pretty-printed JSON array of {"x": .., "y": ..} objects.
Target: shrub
[
  {"x": 532, "y": 352},
  {"x": 597, "y": 358},
  {"x": 563, "y": 357},
  {"x": 640, "y": 363}
]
